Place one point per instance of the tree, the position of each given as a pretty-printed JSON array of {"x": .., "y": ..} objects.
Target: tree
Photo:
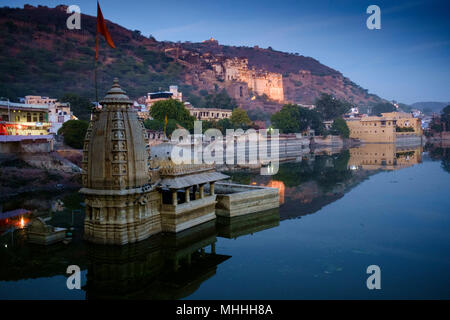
[
  {"x": 74, "y": 132},
  {"x": 339, "y": 127},
  {"x": 239, "y": 118},
  {"x": 445, "y": 118},
  {"x": 294, "y": 119},
  {"x": 158, "y": 125},
  {"x": 382, "y": 107},
  {"x": 331, "y": 108},
  {"x": 224, "y": 124},
  {"x": 174, "y": 110}
]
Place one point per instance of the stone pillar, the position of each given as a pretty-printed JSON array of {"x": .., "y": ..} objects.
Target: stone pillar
[
  {"x": 187, "y": 197},
  {"x": 213, "y": 248},
  {"x": 211, "y": 188},
  {"x": 174, "y": 197},
  {"x": 194, "y": 189},
  {"x": 202, "y": 191}
]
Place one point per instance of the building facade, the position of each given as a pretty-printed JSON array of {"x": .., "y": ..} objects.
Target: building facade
[
  {"x": 209, "y": 114},
  {"x": 153, "y": 97},
  {"x": 259, "y": 82},
  {"x": 23, "y": 119},
  {"x": 58, "y": 112},
  {"x": 388, "y": 128}
]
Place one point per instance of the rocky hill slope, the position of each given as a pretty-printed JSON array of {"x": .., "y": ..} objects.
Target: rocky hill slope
[{"x": 39, "y": 55}]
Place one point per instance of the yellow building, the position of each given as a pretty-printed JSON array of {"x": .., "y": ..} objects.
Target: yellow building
[
  {"x": 23, "y": 119},
  {"x": 209, "y": 114},
  {"x": 385, "y": 156},
  {"x": 385, "y": 129}
]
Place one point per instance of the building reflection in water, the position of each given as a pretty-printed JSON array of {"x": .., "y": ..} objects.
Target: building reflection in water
[
  {"x": 384, "y": 156},
  {"x": 280, "y": 186}
]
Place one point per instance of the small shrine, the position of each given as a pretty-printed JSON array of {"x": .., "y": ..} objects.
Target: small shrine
[{"x": 41, "y": 233}]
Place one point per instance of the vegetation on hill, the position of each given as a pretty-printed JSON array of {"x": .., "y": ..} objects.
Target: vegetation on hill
[
  {"x": 430, "y": 107},
  {"x": 80, "y": 106},
  {"x": 382, "y": 107},
  {"x": 40, "y": 56}
]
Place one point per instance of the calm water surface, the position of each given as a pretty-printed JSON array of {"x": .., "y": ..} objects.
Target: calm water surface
[{"x": 340, "y": 213}]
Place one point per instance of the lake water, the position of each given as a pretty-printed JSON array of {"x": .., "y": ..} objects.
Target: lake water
[{"x": 339, "y": 213}]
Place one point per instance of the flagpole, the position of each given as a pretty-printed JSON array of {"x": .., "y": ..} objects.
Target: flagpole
[{"x": 95, "y": 69}]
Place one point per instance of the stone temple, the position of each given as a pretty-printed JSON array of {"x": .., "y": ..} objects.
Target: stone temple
[{"x": 128, "y": 195}]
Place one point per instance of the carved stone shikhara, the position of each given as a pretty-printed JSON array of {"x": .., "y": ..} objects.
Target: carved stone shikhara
[{"x": 122, "y": 205}]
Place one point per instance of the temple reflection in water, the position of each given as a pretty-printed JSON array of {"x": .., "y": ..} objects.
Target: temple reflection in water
[{"x": 165, "y": 266}]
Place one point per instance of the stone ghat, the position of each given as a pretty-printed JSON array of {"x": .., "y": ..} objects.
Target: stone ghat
[{"x": 235, "y": 199}]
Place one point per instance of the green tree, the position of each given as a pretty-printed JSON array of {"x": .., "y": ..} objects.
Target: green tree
[
  {"x": 382, "y": 107},
  {"x": 74, "y": 132},
  {"x": 331, "y": 108},
  {"x": 295, "y": 119},
  {"x": 239, "y": 118},
  {"x": 339, "y": 127},
  {"x": 174, "y": 110}
]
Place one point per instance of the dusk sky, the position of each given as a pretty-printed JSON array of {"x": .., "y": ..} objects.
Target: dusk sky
[{"x": 408, "y": 60}]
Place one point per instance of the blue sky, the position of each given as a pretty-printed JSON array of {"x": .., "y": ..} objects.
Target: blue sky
[{"x": 407, "y": 60}]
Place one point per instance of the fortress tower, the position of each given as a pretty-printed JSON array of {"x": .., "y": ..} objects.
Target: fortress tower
[{"x": 122, "y": 205}]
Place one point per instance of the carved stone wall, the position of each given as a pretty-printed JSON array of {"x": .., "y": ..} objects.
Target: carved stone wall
[{"x": 121, "y": 204}]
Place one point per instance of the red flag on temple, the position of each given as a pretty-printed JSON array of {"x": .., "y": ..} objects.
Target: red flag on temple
[{"x": 101, "y": 28}]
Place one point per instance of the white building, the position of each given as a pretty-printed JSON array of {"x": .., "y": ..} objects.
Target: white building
[{"x": 58, "y": 112}]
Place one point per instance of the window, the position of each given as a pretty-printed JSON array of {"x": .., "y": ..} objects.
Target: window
[{"x": 28, "y": 117}]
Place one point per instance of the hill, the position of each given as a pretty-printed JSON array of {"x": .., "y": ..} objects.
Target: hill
[
  {"x": 39, "y": 55},
  {"x": 430, "y": 106}
]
